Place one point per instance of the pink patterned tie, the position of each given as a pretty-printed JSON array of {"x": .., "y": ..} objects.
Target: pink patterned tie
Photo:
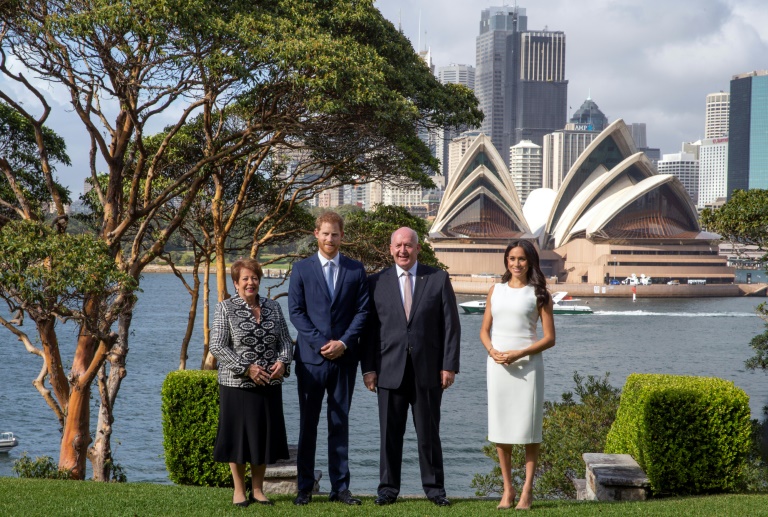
[{"x": 407, "y": 295}]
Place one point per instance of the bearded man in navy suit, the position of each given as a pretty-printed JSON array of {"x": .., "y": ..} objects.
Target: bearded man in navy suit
[
  {"x": 328, "y": 305},
  {"x": 411, "y": 354}
]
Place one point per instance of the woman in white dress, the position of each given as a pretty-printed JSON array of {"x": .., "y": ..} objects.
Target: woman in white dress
[{"x": 515, "y": 365}]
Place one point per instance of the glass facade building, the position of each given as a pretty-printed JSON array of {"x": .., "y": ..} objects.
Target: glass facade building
[{"x": 748, "y": 132}]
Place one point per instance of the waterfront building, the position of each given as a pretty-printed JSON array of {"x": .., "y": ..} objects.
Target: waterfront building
[
  {"x": 717, "y": 110},
  {"x": 520, "y": 78},
  {"x": 748, "y": 132},
  {"x": 684, "y": 165},
  {"x": 713, "y": 171},
  {"x": 525, "y": 168},
  {"x": 612, "y": 216}
]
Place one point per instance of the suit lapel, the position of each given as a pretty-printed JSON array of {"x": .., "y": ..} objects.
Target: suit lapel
[
  {"x": 393, "y": 291},
  {"x": 340, "y": 277},
  {"x": 318, "y": 269}
]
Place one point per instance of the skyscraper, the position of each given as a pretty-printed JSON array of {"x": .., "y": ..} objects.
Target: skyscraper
[
  {"x": 686, "y": 167},
  {"x": 520, "y": 78},
  {"x": 589, "y": 117},
  {"x": 718, "y": 108},
  {"x": 713, "y": 170},
  {"x": 748, "y": 132},
  {"x": 451, "y": 74},
  {"x": 525, "y": 168}
]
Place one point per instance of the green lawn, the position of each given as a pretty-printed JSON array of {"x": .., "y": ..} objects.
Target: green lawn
[{"x": 52, "y": 498}]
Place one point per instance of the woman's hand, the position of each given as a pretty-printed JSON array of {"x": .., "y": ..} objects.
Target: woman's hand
[
  {"x": 278, "y": 370},
  {"x": 512, "y": 356},
  {"x": 258, "y": 374},
  {"x": 498, "y": 357}
]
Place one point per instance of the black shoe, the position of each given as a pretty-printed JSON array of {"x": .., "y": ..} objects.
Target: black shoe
[
  {"x": 384, "y": 500},
  {"x": 242, "y": 504},
  {"x": 440, "y": 500},
  {"x": 345, "y": 496},
  {"x": 302, "y": 499},
  {"x": 253, "y": 500}
]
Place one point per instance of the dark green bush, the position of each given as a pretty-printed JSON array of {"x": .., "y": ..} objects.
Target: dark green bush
[
  {"x": 691, "y": 435},
  {"x": 570, "y": 428},
  {"x": 42, "y": 467},
  {"x": 190, "y": 407}
]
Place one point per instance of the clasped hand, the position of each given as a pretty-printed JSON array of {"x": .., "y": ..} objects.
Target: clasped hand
[
  {"x": 505, "y": 357},
  {"x": 332, "y": 350},
  {"x": 260, "y": 375}
]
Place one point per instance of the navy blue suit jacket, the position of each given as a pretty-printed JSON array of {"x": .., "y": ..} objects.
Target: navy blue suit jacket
[{"x": 318, "y": 318}]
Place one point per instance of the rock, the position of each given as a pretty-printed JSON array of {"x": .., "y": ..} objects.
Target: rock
[
  {"x": 614, "y": 477},
  {"x": 282, "y": 477}
]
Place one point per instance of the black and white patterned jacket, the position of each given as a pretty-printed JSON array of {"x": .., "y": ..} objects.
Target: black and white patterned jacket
[{"x": 238, "y": 340}]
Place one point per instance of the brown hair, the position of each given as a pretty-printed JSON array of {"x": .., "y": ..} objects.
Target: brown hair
[
  {"x": 535, "y": 276},
  {"x": 241, "y": 264},
  {"x": 329, "y": 217}
]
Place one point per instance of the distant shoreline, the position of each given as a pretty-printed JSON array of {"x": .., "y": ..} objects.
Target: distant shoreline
[{"x": 161, "y": 268}]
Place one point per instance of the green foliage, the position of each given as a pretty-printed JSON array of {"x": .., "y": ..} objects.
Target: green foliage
[
  {"x": 52, "y": 271},
  {"x": 570, "y": 428},
  {"x": 367, "y": 236},
  {"x": 759, "y": 343},
  {"x": 190, "y": 412},
  {"x": 690, "y": 435},
  {"x": 42, "y": 467},
  {"x": 743, "y": 219}
]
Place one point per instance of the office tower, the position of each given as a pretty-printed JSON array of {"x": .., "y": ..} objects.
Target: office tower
[
  {"x": 589, "y": 117},
  {"x": 542, "y": 91},
  {"x": 458, "y": 147},
  {"x": 525, "y": 168},
  {"x": 496, "y": 47},
  {"x": 457, "y": 74},
  {"x": 520, "y": 78},
  {"x": 716, "y": 121},
  {"x": 748, "y": 132},
  {"x": 637, "y": 130},
  {"x": 560, "y": 151},
  {"x": 713, "y": 170},
  {"x": 451, "y": 74},
  {"x": 686, "y": 167}
]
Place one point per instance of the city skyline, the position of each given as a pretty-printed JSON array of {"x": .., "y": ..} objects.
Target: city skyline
[{"x": 651, "y": 63}]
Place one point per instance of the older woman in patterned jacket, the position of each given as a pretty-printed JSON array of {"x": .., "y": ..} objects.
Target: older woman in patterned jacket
[{"x": 251, "y": 343}]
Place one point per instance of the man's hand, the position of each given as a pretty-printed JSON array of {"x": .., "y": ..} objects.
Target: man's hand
[
  {"x": 332, "y": 350},
  {"x": 447, "y": 377},
  {"x": 371, "y": 380}
]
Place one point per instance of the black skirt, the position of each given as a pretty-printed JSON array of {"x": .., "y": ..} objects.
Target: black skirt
[{"x": 251, "y": 426}]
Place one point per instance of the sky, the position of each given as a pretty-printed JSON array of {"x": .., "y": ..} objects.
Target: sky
[{"x": 651, "y": 61}]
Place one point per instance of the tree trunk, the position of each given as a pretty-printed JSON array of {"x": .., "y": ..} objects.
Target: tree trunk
[
  {"x": 209, "y": 362},
  {"x": 100, "y": 453},
  {"x": 184, "y": 354}
]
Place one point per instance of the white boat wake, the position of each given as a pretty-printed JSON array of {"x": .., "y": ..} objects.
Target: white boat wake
[{"x": 678, "y": 314}]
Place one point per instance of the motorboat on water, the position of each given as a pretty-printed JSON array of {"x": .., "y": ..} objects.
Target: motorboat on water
[
  {"x": 564, "y": 304},
  {"x": 473, "y": 307},
  {"x": 7, "y": 442}
]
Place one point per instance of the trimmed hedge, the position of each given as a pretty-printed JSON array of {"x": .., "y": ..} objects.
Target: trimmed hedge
[
  {"x": 190, "y": 408},
  {"x": 691, "y": 435}
]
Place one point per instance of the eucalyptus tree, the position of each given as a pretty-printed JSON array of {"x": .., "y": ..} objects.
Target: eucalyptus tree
[{"x": 316, "y": 73}]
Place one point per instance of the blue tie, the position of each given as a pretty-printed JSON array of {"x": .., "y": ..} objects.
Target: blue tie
[{"x": 329, "y": 277}]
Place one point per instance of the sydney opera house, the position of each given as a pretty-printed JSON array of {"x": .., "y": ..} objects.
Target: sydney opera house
[{"x": 612, "y": 216}]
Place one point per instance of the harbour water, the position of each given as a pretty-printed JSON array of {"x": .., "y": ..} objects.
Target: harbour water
[{"x": 708, "y": 337}]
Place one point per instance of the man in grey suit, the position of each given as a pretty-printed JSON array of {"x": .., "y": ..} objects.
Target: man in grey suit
[{"x": 410, "y": 354}]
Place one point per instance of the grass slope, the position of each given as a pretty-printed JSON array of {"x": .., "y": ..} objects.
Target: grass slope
[{"x": 41, "y": 497}]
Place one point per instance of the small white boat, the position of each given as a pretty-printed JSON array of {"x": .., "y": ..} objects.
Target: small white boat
[
  {"x": 7, "y": 442},
  {"x": 473, "y": 307},
  {"x": 564, "y": 304}
]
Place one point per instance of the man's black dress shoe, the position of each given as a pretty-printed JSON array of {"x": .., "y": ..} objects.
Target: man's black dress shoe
[
  {"x": 384, "y": 500},
  {"x": 302, "y": 499},
  {"x": 440, "y": 500},
  {"x": 345, "y": 496}
]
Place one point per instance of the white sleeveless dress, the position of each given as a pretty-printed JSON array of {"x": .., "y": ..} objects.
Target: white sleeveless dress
[{"x": 515, "y": 391}]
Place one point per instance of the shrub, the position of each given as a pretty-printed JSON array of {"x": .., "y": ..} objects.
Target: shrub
[
  {"x": 691, "y": 435},
  {"x": 190, "y": 408},
  {"x": 42, "y": 467},
  {"x": 569, "y": 429}
]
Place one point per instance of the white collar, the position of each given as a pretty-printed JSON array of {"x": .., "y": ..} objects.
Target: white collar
[
  {"x": 324, "y": 261},
  {"x": 412, "y": 271}
]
